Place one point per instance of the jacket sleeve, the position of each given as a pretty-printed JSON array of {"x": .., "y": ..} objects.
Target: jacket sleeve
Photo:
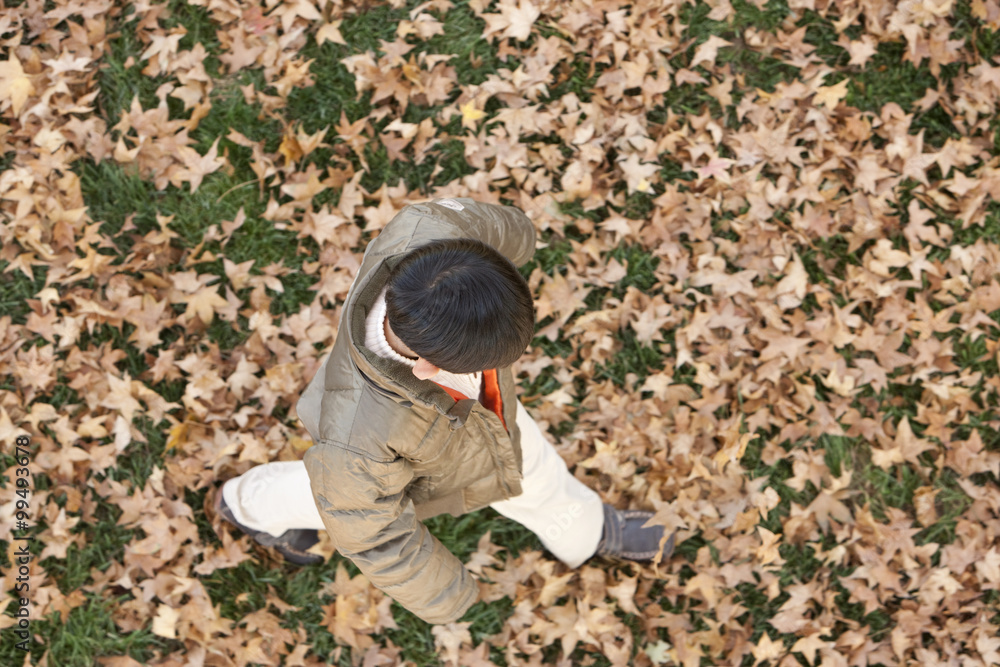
[
  {"x": 506, "y": 228},
  {"x": 372, "y": 522}
]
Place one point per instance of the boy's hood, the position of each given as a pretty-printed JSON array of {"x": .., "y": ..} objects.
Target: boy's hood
[{"x": 385, "y": 374}]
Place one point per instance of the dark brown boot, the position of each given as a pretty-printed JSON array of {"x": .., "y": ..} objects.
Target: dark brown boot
[
  {"x": 292, "y": 544},
  {"x": 624, "y": 536}
]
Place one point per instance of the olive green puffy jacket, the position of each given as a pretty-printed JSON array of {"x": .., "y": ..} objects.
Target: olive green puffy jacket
[{"x": 390, "y": 449}]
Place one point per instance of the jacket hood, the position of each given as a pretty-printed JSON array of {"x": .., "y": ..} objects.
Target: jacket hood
[{"x": 387, "y": 375}]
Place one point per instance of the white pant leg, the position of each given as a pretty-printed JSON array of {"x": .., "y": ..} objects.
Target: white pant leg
[
  {"x": 567, "y": 516},
  {"x": 273, "y": 497}
]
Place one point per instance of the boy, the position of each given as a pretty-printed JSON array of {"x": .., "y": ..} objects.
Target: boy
[{"x": 414, "y": 414}]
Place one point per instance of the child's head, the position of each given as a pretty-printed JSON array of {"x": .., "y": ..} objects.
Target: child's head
[{"x": 460, "y": 305}]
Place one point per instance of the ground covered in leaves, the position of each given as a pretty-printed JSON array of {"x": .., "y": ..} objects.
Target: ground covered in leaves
[{"x": 767, "y": 283}]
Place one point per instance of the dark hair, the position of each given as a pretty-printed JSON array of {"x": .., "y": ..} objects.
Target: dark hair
[{"x": 460, "y": 305}]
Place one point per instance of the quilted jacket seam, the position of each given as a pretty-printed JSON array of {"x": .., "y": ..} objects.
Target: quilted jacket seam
[{"x": 354, "y": 450}]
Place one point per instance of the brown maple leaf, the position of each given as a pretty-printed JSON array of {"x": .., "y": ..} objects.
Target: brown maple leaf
[
  {"x": 196, "y": 166},
  {"x": 15, "y": 85}
]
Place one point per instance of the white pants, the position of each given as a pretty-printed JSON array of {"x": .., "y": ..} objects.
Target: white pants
[{"x": 567, "y": 516}]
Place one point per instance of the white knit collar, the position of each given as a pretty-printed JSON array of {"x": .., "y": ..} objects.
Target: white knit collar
[{"x": 375, "y": 338}]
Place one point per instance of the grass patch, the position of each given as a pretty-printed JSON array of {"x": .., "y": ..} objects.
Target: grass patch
[
  {"x": 888, "y": 78},
  {"x": 88, "y": 632},
  {"x": 119, "y": 81},
  {"x": 632, "y": 358},
  {"x": 105, "y": 542},
  {"x": 16, "y": 288},
  {"x": 230, "y": 110},
  {"x": 461, "y": 534},
  {"x": 200, "y": 28},
  {"x": 143, "y": 457}
]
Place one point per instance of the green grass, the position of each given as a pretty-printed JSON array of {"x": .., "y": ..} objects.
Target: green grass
[
  {"x": 89, "y": 632},
  {"x": 462, "y": 533},
  {"x": 16, "y": 288},
  {"x": 230, "y": 110},
  {"x": 118, "y": 83},
  {"x": 632, "y": 358},
  {"x": 197, "y": 21}
]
